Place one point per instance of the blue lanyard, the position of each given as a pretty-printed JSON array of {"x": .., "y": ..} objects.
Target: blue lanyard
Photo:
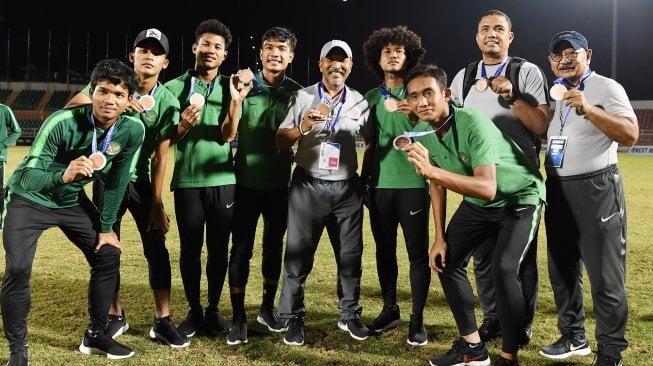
[
  {"x": 340, "y": 100},
  {"x": 107, "y": 140},
  {"x": 496, "y": 73},
  {"x": 388, "y": 93},
  {"x": 150, "y": 93},
  {"x": 192, "y": 86},
  {"x": 571, "y": 85}
]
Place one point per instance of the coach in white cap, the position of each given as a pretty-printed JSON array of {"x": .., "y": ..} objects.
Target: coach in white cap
[{"x": 324, "y": 120}]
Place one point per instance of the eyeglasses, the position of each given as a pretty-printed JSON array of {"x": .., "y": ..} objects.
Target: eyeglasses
[{"x": 571, "y": 56}]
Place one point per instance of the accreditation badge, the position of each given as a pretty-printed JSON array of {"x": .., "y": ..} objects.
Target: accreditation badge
[
  {"x": 329, "y": 156},
  {"x": 555, "y": 153}
]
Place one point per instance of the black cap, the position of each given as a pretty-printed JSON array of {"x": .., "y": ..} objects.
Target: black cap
[
  {"x": 155, "y": 34},
  {"x": 575, "y": 39}
]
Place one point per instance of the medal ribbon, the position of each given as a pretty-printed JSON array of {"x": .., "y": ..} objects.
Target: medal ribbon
[
  {"x": 192, "y": 87},
  {"x": 150, "y": 93},
  {"x": 569, "y": 84},
  {"x": 424, "y": 133},
  {"x": 496, "y": 73},
  {"x": 388, "y": 94},
  {"x": 340, "y": 99},
  {"x": 107, "y": 140}
]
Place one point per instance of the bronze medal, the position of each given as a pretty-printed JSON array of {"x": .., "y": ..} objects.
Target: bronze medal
[
  {"x": 557, "y": 91},
  {"x": 197, "y": 99},
  {"x": 147, "y": 102},
  {"x": 323, "y": 108},
  {"x": 481, "y": 84},
  {"x": 99, "y": 160},
  {"x": 401, "y": 142},
  {"x": 390, "y": 104},
  {"x": 245, "y": 76}
]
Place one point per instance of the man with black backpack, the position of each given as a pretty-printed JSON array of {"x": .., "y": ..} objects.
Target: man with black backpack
[{"x": 513, "y": 93}]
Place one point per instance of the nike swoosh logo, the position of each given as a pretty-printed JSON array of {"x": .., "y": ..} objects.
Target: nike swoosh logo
[
  {"x": 572, "y": 348},
  {"x": 604, "y": 219},
  {"x": 413, "y": 213},
  {"x": 228, "y": 205},
  {"x": 476, "y": 358}
]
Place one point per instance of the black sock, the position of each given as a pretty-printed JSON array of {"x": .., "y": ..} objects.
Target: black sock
[
  {"x": 238, "y": 305},
  {"x": 269, "y": 292}
]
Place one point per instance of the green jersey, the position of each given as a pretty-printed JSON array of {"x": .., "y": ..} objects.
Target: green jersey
[
  {"x": 258, "y": 162},
  {"x": 159, "y": 124},
  {"x": 390, "y": 167},
  {"x": 64, "y": 136},
  {"x": 9, "y": 131},
  {"x": 202, "y": 158},
  {"x": 473, "y": 141}
]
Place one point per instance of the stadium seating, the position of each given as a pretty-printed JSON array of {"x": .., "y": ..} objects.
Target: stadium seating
[
  {"x": 57, "y": 100},
  {"x": 645, "y": 120},
  {"x": 4, "y": 93},
  {"x": 29, "y": 129},
  {"x": 27, "y": 99}
]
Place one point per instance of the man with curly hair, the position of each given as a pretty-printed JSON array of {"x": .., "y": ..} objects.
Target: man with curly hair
[{"x": 397, "y": 195}]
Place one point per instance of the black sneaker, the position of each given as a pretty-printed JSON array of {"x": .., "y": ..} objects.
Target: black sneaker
[
  {"x": 490, "y": 329},
  {"x": 295, "y": 334},
  {"x": 355, "y": 327},
  {"x": 100, "y": 343},
  {"x": 18, "y": 357},
  {"x": 269, "y": 318},
  {"x": 417, "y": 335},
  {"x": 504, "y": 362},
  {"x": 526, "y": 337},
  {"x": 116, "y": 325},
  {"x": 388, "y": 318},
  {"x": 566, "y": 346},
  {"x": 214, "y": 323},
  {"x": 462, "y": 354},
  {"x": 604, "y": 360},
  {"x": 237, "y": 333},
  {"x": 191, "y": 323},
  {"x": 165, "y": 332}
]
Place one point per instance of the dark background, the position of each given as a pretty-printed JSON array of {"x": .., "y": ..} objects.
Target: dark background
[{"x": 447, "y": 29}]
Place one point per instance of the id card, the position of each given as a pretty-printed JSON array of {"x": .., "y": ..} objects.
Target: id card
[
  {"x": 329, "y": 155},
  {"x": 555, "y": 153}
]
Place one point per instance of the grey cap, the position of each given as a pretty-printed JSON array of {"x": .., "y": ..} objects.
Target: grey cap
[{"x": 335, "y": 43}]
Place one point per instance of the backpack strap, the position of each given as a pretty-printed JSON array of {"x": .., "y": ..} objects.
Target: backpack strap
[
  {"x": 469, "y": 79},
  {"x": 512, "y": 73}
]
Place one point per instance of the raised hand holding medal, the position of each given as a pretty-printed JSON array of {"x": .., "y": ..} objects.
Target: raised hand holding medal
[{"x": 485, "y": 81}]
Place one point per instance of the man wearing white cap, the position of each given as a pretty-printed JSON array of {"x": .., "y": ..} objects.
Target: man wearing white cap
[
  {"x": 586, "y": 213},
  {"x": 324, "y": 119},
  {"x": 157, "y": 108}
]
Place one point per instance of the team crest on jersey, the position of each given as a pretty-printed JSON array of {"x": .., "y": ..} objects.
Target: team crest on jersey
[
  {"x": 149, "y": 116},
  {"x": 463, "y": 157},
  {"x": 113, "y": 148}
]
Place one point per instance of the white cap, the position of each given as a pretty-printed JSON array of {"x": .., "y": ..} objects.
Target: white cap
[{"x": 335, "y": 43}]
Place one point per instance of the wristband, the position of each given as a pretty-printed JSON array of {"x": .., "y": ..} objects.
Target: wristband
[{"x": 513, "y": 99}]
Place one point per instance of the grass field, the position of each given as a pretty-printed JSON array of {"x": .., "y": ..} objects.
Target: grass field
[{"x": 59, "y": 284}]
